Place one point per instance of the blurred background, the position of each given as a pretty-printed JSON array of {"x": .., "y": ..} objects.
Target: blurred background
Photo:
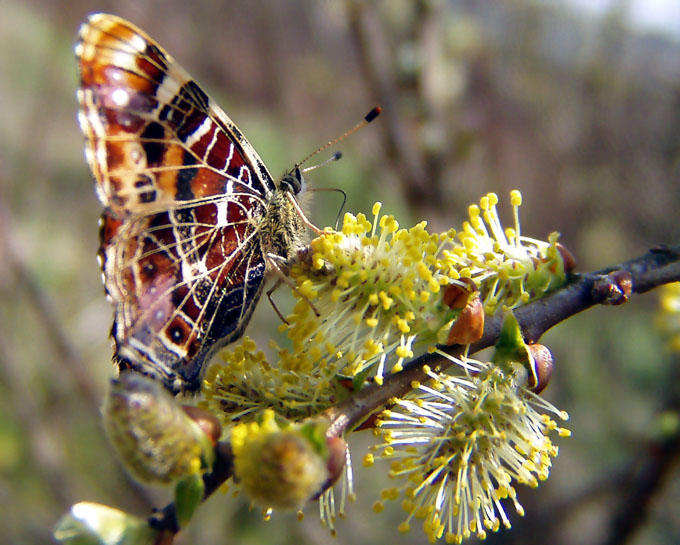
[{"x": 577, "y": 104}]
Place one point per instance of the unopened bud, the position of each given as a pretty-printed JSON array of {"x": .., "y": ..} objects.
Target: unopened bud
[
  {"x": 335, "y": 462},
  {"x": 207, "y": 421},
  {"x": 541, "y": 362},
  {"x": 567, "y": 257},
  {"x": 469, "y": 326},
  {"x": 613, "y": 288},
  {"x": 150, "y": 431},
  {"x": 92, "y": 523},
  {"x": 456, "y": 295}
]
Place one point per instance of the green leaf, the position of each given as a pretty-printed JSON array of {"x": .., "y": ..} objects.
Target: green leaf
[
  {"x": 315, "y": 432},
  {"x": 188, "y": 495},
  {"x": 94, "y": 524},
  {"x": 511, "y": 348},
  {"x": 510, "y": 340}
]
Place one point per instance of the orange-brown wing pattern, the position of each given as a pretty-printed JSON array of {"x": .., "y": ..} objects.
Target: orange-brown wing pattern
[
  {"x": 153, "y": 136},
  {"x": 183, "y": 192}
]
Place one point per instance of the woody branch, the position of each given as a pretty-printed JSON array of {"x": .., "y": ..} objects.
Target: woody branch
[{"x": 609, "y": 286}]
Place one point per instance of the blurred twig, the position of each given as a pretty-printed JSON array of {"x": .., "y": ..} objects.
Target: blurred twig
[
  {"x": 647, "y": 474},
  {"x": 378, "y": 64},
  {"x": 44, "y": 446},
  {"x": 64, "y": 352}
]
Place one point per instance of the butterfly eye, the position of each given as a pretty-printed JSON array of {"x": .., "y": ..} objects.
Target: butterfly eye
[{"x": 293, "y": 182}]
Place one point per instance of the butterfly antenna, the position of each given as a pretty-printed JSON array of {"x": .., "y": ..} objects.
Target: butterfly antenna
[
  {"x": 370, "y": 116},
  {"x": 337, "y": 155}
]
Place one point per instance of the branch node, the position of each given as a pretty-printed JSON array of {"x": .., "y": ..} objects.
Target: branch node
[{"x": 613, "y": 288}]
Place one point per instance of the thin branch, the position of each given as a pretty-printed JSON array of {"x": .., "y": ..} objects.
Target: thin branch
[
  {"x": 65, "y": 353},
  {"x": 648, "y": 473},
  {"x": 646, "y": 478},
  {"x": 610, "y": 286},
  {"x": 377, "y": 64}
]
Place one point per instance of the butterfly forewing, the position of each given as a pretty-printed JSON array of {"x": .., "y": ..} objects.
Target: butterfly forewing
[
  {"x": 184, "y": 192},
  {"x": 153, "y": 136}
]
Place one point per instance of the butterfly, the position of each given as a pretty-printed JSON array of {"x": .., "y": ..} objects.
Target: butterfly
[{"x": 193, "y": 221}]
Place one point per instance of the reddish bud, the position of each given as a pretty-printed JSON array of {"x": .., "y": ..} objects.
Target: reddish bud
[
  {"x": 541, "y": 360},
  {"x": 613, "y": 288},
  {"x": 567, "y": 258},
  {"x": 207, "y": 421},
  {"x": 624, "y": 282},
  {"x": 469, "y": 326},
  {"x": 456, "y": 296},
  {"x": 337, "y": 458}
]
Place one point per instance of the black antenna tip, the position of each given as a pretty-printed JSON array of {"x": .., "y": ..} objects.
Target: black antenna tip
[
  {"x": 375, "y": 112},
  {"x": 337, "y": 155}
]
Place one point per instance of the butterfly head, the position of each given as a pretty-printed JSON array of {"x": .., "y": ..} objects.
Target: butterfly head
[{"x": 294, "y": 182}]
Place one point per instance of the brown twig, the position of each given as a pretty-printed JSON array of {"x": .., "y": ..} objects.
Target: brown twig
[
  {"x": 609, "y": 286},
  {"x": 377, "y": 64},
  {"x": 647, "y": 473}
]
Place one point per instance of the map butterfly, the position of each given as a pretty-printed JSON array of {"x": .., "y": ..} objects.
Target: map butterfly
[{"x": 193, "y": 220}]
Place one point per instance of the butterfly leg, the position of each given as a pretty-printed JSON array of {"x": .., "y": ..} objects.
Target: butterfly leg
[
  {"x": 270, "y": 291},
  {"x": 273, "y": 262}
]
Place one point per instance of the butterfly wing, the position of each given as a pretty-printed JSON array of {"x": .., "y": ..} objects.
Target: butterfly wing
[
  {"x": 153, "y": 137},
  {"x": 183, "y": 191},
  {"x": 184, "y": 283}
]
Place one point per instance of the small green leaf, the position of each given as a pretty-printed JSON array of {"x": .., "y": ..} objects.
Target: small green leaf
[
  {"x": 511, "y": 348},
  {"x": 94, "y": 524},
  {"x": 188, "y": 495},
  {"x": 510, "y": 339},
  {"x": 359, "y": 380},
  {"x": 315, "y": 432}
]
